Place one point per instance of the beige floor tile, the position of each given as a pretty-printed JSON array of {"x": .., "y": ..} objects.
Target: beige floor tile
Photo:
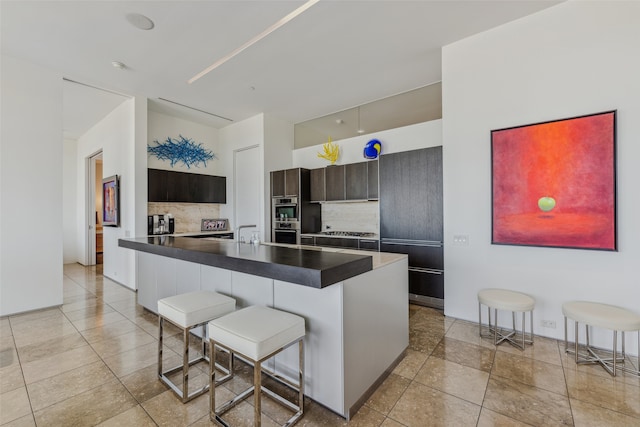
[
  {"x": 527, "y": 404},
  {"x": 386, "y": 396},
  {"x": 468, "y": 332},
  {"x": 424, "y": 406},
  {"x": 50, "y": 347},
  {"x": 109, "y": 331},
  {"x": 130, "y": 361},
  {"x": 37, "y": 331},
  {"x": 460, "y": 381},
  {"x": 464, "y": 353},
  {"x": 144, "y": 383},
  {"x": 85, "y": 323},
  {"x": 423, "y": 341},
  {"x": 89, "y": 408},
  {"x": 529, "y": 371},
  {"x": 9, "y": 357},
  {"x": 11, "y": 378},
  {"x": 53, "y": 365},
  {"x": 5, "y": 328},
  {"x": 489, "y": 418},
  {"x": 68, "y": 384},
  {"x": 366, "y": 417},
  {"x": 588, "y": 415},
  {"x": 81, "y": 303},
  {"x": 568, "y": 363},
  {"x": 410, "y": 364},
  {"x": 611, "y": 393},
  {"x": 543, "y": 349},
  {"x": 242, "y": 416},
  {"x": 30, "y": 316},
  {"x": 135, "y": 416},
  {"x": 26, "y": 421},
  {"x": 388, "y": 422},
  {"x": 121, "y": 343},
  {"x": 86, "y": 312},
  {"x": 14, "y": 404},
  {"x": 167, "y": 410}
]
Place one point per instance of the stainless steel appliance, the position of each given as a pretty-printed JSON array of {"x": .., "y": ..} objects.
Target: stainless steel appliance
[
  {"x": 161, "y": 224},
  {"x": 286, "y": 232},
  {"x": 285, "y": 221},
  {"x": 285, "y": 209}
]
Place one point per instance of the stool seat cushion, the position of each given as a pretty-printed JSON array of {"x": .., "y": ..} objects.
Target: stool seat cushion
[
  {"x": 503, "y": 299},
  {"x": 602, "y": 315},
  {"x": 193, "y": 308},
  {"x": 257, "y": 331}
]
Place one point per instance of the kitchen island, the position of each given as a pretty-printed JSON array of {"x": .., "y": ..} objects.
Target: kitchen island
[{"x": 354, "y": 303}]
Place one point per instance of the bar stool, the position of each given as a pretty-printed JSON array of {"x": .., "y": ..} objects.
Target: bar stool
[
  {"x": 258, "y": 333},
  {"x": 188, "y": 311},
  {"x": 607, "y": 317},
  {"x": 503, "y": 299}
]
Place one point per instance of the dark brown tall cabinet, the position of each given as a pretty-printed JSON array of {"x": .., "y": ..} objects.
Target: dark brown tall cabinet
[{"x": 411, "y": 219}]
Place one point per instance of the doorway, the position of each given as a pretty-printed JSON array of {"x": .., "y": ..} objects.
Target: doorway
[
  {"x": 95, "y": 246},
  {"x": 247, "y": 189}
]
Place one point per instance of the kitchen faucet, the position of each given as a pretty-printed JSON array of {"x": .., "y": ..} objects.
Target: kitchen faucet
[{"x": 237, "y": 234}]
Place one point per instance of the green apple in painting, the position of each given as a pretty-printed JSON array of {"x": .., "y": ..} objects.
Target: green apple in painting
[{"x": 546, "y": 203}]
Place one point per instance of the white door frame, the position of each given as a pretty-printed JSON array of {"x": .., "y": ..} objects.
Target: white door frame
[{"x": 90, "y": 207}]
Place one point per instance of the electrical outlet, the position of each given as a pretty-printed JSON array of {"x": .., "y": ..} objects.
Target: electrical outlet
[
  {"x": 461, "y": 240},
  {"x": 548, "y": 324}
]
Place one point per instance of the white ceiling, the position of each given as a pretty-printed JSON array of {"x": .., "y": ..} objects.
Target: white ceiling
[{"x": 336, "y": 55}]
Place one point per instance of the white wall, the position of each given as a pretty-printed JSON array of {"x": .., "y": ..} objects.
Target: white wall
[
  {"x": 162, "y": 126},
  {"x": 30, "y": 187},
  {"x": 573, "y": 59},
  {"x": 239, "y": 136},
  {"x": 421, "y": 135},
  {"x": 69, "y": 201},
  {"x": 115, "y": 136}
]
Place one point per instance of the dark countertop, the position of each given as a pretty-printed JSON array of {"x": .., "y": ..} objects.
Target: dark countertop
[{"x": 306, "y": 267}]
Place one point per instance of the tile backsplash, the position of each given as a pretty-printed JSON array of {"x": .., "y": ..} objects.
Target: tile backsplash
[
  {"x": 345, "y": 216},
  {"x": 187, "y": 215}
]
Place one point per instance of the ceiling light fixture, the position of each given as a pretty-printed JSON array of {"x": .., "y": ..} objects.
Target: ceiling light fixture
[
  {"x": 140, "y": 21},
  {"x": 360, "y": 130},
  {"x": 119, "y": 65},
  {"x": 254, "y": 40}
]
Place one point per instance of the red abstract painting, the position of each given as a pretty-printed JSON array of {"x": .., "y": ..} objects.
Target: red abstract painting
[{"x": 554, "y": 183}]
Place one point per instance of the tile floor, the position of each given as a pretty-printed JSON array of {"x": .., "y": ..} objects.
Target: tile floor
[{"x": 93, "y": 362}]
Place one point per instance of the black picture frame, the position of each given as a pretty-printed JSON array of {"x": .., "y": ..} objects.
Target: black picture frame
[{"x": 111, "y": 201}]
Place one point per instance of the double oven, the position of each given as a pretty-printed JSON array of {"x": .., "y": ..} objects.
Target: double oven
[{"x": 286, "y": 221}]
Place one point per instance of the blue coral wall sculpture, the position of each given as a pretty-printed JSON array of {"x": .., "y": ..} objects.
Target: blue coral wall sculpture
[{"x": 181, "y": 150}]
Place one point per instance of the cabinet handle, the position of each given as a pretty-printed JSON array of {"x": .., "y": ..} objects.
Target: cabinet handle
[
  {"x": 368, "y": 241},
  {"x": 426, "y": 270}
]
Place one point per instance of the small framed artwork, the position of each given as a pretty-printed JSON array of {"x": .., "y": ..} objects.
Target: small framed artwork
[
  {"x": 554, "y": 183},
  {"x": 111, "y": 201}
]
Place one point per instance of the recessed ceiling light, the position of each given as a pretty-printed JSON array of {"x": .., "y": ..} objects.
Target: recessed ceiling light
[
  {"x": 339, "y": 121},
  {"x": 119, "y": 65},
  {"x": 140, "y": 21},
  {"x": 254, "y": 40}
]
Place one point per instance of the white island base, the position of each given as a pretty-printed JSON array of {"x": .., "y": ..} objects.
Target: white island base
[{"x": 357, "y": 329}]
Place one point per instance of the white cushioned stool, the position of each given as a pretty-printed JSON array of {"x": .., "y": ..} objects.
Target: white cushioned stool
[
  {"x": 516, "y": 302},
  {"x": 607, "y": 317},
  {"x": 188, "y": 311},
  {"x": 258, "y": 333}
]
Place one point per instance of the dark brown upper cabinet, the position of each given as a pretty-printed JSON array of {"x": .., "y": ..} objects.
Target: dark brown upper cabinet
[
  {"x": 334, "y": 183},
  {"x": 317, "y": 185},
  {"x": 372, "y": 180},
  {"x": 285, "y": 183},
  {"x": 356, "y": 181},
  {"x": 183, "y": 187}
]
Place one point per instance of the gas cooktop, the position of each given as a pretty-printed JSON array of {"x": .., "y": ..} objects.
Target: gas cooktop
[{"x": 347, "y": 233}]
